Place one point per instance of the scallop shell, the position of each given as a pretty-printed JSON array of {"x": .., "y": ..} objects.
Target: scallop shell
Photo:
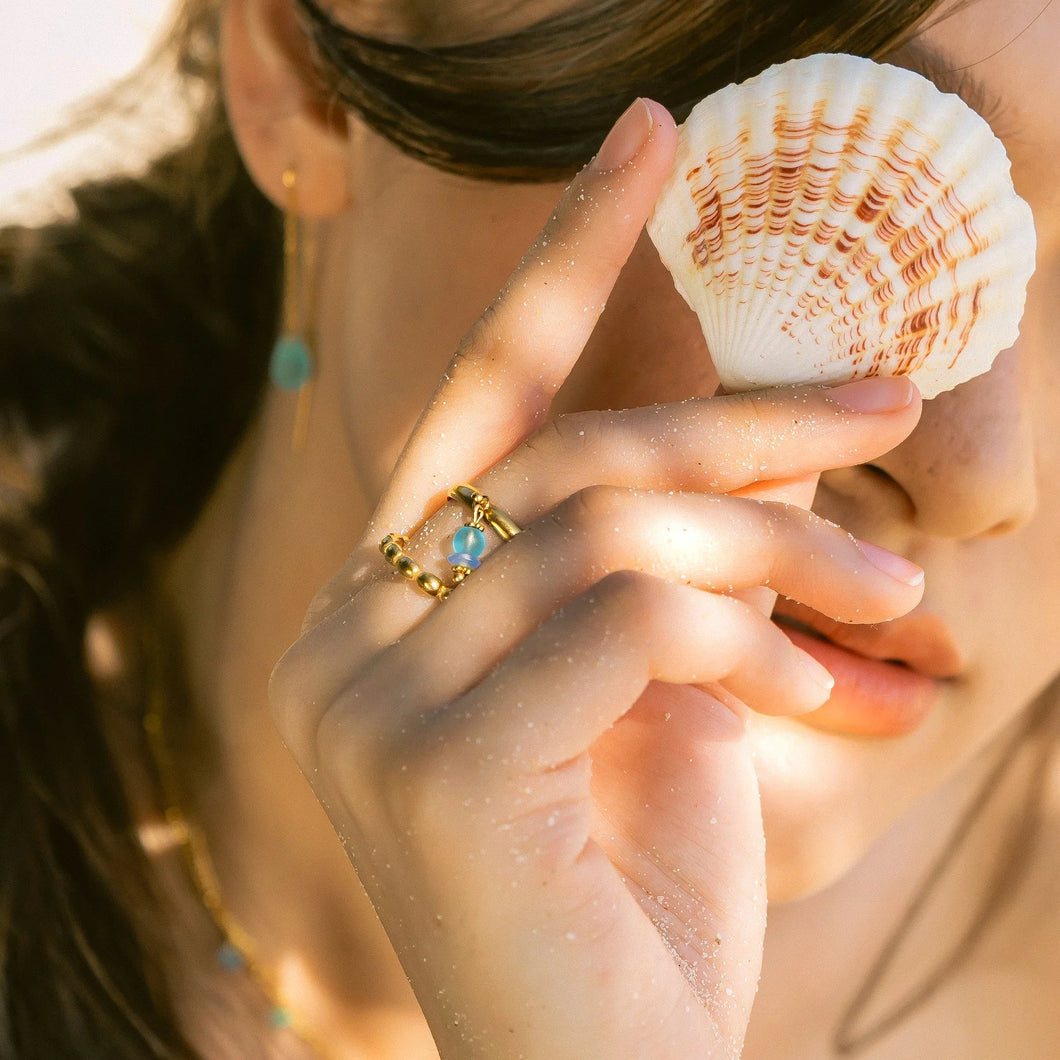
[{"x": 835, "y": 218}]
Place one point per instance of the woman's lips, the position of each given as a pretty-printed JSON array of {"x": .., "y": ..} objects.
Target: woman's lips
[{"x": 887, "y": 676}]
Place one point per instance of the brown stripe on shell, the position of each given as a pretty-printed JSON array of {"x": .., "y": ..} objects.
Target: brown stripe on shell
[{"x": 902, "y": 231}]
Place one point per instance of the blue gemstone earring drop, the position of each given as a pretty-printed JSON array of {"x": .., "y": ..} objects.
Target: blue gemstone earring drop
[{"x": 291, "y": 366}]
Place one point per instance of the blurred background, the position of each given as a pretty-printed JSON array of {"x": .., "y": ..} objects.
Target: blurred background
[{"x": 53, "y": 55}]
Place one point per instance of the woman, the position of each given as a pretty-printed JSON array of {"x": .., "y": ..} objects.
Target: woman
[{"x": 565, "y": 788}]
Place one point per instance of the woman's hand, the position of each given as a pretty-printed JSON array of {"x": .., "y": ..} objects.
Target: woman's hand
[{"x": 543, "y": 780}]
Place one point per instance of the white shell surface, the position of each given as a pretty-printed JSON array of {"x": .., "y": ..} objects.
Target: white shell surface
[{"x": 835, "y": 218}]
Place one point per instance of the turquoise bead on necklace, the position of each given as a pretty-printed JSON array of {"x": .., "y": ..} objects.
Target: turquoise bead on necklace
[
  {"x": 229, "y": 957},
  {"x": 233, "y": 960},
  {"x": 280, "y": 1018}
]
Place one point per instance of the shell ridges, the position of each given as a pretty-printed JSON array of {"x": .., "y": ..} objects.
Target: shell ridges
[{"x": 834, "y": 218}]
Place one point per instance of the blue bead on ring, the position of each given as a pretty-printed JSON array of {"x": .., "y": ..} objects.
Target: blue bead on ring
[{"x": 469, "y": 542}]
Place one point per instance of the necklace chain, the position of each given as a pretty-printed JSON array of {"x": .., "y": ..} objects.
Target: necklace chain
[
  {"x": 851, "y": 1038},
  {"x": 237, "y": 951}
]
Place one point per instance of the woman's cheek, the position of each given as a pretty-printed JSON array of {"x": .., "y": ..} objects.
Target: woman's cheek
[{"x": 423, "y": 253}]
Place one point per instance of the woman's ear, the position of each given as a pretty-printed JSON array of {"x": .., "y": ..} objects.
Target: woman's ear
[{"x": 280, "y": 119}]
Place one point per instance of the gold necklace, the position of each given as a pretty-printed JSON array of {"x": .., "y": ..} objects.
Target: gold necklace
[{"x": 237, "y": 952}]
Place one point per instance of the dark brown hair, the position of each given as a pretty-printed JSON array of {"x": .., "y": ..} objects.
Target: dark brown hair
[
  {"x": 535, "y": 103},
  {"x": 133, "y": 343}
]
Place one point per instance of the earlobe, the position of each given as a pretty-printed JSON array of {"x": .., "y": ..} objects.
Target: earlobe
[{"x": 280, "y": 120}]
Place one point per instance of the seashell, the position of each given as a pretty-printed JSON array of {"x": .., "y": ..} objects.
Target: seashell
[{"x": 835, "y": 218}]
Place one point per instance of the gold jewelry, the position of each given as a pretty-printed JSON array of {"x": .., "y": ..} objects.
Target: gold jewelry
[
  {"x": 237, "y": 951},
  {"x": 291, "y": 366},
  {"x": 393, "y": 548},
  {"x": 497, "y": 517},
  {"x": 469, "y": 542}
]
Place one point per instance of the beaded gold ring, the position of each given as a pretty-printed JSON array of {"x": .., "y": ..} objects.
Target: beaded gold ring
[
  {"x": 469, "y": 542},
  {"x": 498, "y": 518},
  {"x": 393, "y": 548}
]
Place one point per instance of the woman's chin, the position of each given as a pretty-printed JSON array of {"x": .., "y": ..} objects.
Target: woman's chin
[
  {"x": 806, "y": 856},
  {"x": 814, "y": 868},
  {"x": 825, "y": 801}
]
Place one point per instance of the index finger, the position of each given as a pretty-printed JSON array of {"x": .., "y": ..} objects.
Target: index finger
[{"x": 529, "y": 339}]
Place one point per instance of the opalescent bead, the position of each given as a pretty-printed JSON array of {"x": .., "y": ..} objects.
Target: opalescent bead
[
  {"x": 469, "y": 541},
  {"x": 292, "y": 363},
  {"x": 464, "y": 559}
]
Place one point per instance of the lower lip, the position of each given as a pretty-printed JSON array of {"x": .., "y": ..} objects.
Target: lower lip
[{"x": 870, "y": 697}]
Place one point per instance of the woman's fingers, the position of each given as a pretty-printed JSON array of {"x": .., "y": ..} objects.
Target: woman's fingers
[
  {"x": 739, "y": 442},
  {"x": 501, "y": 382},
  {"x": 770, "y": 444},
  {"x": 720, "y": 544},
  {"x": 717, "y": 544},
  {"x": 580, "y": 671},
  {"x": 754, "y": 444}
]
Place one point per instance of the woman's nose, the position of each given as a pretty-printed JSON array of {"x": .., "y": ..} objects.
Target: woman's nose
[{"x": 969, "y": 467}]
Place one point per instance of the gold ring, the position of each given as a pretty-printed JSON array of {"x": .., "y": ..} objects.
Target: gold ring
[
  {"x": 469, "y": 542},
  {"x": 497, "y": 517},
  {"x": 393, "y": 548}
]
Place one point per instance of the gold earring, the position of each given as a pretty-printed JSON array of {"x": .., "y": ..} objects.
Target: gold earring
[{"x": 291, "y": 366}]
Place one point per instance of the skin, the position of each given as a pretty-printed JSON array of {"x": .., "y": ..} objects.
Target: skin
[{"x": 450, "y": 745}]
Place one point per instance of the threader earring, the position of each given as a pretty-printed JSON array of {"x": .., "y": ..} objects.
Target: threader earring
[{"x": 291, "y": 366}]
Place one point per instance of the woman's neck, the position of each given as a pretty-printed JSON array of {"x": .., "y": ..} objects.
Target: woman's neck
[
  {"x": 277, "y": 528},
  {"x": 952, "y": 938}
]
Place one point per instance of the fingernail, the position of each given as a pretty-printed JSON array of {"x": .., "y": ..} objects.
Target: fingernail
[
  {"x": 876, "y": 394},
  {"x": 626, "y": 138},
  {"x": 898, "y": 567},
  {"x": 817, "y": 673}
]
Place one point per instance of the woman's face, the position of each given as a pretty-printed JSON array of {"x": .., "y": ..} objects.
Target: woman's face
[{"x": 967, "y": 496}]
